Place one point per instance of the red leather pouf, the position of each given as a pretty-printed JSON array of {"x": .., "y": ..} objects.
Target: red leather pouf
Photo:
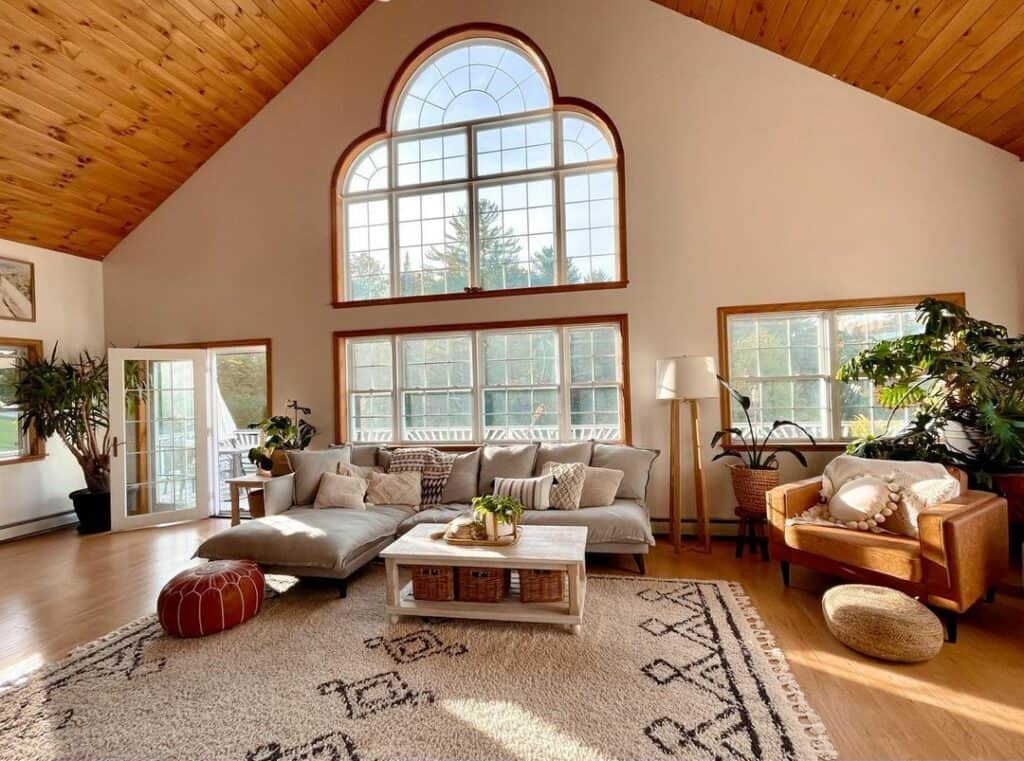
[{"x": 210, "y": 598}]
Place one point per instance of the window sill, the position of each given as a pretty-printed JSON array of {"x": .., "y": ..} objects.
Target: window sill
[
  {"x": 23, "y": 458},
  {"x": 482, "y": 294},
  {"x": 821, "y": 446}
]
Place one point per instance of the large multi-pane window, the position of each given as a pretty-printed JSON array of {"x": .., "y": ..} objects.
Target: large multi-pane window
[
  {"x": 786, "y": 362},
  {"x": 481, "y": 183},
  {"x": 492, "y": 383},
  {"x": 14, "y": 442}
]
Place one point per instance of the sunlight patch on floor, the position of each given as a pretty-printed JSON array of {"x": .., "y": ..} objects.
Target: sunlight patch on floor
[
  {"x": 890, "y": 679},
  {"x": 522, "y": 733}
]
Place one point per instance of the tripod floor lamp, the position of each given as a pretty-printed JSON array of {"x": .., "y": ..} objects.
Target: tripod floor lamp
[{"x": 687, "y": 379}]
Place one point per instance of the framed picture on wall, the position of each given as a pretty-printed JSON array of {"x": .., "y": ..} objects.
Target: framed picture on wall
[{"x": 17, "y": 290}]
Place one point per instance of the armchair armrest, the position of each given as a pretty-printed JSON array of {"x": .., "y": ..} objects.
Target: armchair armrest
[
  {"x": 965, "y": 544},
  {"x": 279, "y": 494}
]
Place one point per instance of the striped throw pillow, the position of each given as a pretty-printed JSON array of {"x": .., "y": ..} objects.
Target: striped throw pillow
[{"x": 534, "y": 493}]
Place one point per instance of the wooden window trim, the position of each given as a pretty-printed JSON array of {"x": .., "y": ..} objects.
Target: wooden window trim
[
  {"x": 385, "y": 130},
  {"x": 36, "y": 445},
  {"x": 341, "y": 376},
  {"x": 243, "y": 343},
  {"x": 724, "y": 313}
]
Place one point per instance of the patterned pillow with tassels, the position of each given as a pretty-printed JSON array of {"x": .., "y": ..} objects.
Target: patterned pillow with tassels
[{"x": 434, "y": 466}]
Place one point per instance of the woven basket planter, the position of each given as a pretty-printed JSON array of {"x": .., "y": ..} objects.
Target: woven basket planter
[
  {"x": 751, "y": 486},
  {"x": 540, "y": 586}
]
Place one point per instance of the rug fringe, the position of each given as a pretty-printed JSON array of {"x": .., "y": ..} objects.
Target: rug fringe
[{"x": 813, "y": 726}]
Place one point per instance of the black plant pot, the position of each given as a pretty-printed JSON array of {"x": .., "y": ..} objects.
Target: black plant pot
[{"x": 92, "y": 509}]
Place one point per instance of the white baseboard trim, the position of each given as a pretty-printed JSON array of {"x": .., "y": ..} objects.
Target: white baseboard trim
[{"x": 21, "y": 529}]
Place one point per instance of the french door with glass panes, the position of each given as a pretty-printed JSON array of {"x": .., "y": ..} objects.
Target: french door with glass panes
[{"x": 159, "y": 426}]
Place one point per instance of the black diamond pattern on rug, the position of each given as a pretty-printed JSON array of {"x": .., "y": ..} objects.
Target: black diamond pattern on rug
[
  {"x": 415, "y": 646},
  {"x": 731, "y": 733},
  {"x": 366, "y": 697},
  {"x": 335, "y": 746}
]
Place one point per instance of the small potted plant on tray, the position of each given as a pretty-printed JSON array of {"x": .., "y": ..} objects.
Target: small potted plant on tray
[
  {"x": 757, "y": 471},
  {"x": 500, "y": 515}
]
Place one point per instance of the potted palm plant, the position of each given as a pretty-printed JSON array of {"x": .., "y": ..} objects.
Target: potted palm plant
[
  {"x": 280, "y": 434},
  {"x": 69, "y": 399},
  {"x": 964, "y": 380},
  {"x": 757, "y": 471}
]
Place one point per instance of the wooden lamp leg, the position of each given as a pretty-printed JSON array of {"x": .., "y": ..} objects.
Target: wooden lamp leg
[
  {"x": 675, "y": 487},
  {"x": 698, "y": 477}
]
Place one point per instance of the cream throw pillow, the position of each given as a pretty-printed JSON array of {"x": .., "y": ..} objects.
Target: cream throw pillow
[
  {"x": 359, "y": 471},
  {"x": 394, "y": 488},
  {"x": 341, "y": 491},
  {"x": 600, "y": 485},
  {"x": 569, "y": 479}
]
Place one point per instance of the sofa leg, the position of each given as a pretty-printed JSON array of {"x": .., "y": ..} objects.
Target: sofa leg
[
  {"x": 785, "y": 572},
  {"x": 343, "y": 588},
  {"x": 641, "y": 563},
  {"x": 990, "y": 595}
]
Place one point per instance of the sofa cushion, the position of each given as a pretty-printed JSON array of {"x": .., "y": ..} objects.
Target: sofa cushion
[
  {"x": 364, "y": 455},
  {"x": 442, "y": 514},
  {"x": 896, "y": 556},
  {"x": 394, "y": 488},
  {"x": 569, "y": 480},
  {"x": 623, "y": 521},
  {"x": 341, "y": 491},
  {"x": 462, "y": 482},
  {"x": 512, "y": 461},
  {"x": 309, "y": 465},
  {"x": 532, "y": 493},
  {"x": 577, "y": 451},
  {"x": 635, "y": 463},
  {"x": 302, "y": 537},
  {"x": 600, "y": 486}
]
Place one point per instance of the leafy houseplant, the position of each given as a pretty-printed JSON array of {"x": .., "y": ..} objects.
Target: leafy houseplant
[
  {"x": 496, "y": 512},
  {"x": 70, "y": 399},
  {"x": 965, "y": 379},
  {"x": 757, "y": 471},
  {"x": 281, "y": 433}
]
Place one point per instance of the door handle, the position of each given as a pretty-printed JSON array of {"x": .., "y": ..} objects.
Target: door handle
[{"x": 115, "y": 445}]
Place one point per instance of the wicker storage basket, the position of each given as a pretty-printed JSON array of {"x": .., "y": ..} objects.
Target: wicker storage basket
[
  {"x": 751, "y": 486},
  {"x": 481, "y": 584},
  {"x": 433, "y": 582},
  {"x": 541, "y": 586},
  {"x": 257, "y": 507}
]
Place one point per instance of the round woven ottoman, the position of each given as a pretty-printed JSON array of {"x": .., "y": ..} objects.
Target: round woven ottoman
[
  {"x": 210, "y": 598},
  {"x": 882, "y": 623}
]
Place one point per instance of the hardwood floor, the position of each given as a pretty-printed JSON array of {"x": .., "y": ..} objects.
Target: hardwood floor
[{"x": 61, "y": 590}]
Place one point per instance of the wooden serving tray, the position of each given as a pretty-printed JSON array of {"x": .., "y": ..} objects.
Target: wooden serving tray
[{"x": 505, "y": 541}]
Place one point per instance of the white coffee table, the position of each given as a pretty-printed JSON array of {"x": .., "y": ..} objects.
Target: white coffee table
[{"x": 539, "y": 548}]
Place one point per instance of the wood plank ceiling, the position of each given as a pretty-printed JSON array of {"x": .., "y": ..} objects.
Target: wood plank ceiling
[
  {"x": 958, "y": 61},
  {"x": 107, "y": 106}
]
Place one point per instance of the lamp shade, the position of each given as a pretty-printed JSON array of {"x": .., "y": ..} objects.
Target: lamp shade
[{"x": 687, "y": 378}]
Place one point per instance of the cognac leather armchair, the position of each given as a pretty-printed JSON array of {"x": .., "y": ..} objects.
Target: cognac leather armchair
[{"x": 961, "y": 555}]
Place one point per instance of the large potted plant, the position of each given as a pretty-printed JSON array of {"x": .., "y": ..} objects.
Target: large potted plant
[
  {"x": 280, "y": 434},
  {"x": 69, "y": 399},
  {"x": 757, "y": 471},
  {"x": 964, "y": 378}
]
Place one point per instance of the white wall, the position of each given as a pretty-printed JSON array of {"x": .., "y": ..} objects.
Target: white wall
[
  {"x": 749, "y": 179},
  {"x": 69, "y": 310}
]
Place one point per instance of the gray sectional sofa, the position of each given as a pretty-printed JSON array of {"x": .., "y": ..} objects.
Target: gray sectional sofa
[{"x": 298, "y": 539}]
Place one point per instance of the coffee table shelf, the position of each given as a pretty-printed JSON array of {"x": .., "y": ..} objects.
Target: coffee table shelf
[{"x": 541, "y": 547}]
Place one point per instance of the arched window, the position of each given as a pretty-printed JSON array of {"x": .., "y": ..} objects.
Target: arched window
[{"x": 480, "y": 181}]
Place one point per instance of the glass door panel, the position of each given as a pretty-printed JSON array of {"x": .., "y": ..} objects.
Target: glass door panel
[{"x": 159, "y": 421}]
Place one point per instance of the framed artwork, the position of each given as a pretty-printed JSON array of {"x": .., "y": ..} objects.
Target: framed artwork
[{"x": 17, "y": 290}]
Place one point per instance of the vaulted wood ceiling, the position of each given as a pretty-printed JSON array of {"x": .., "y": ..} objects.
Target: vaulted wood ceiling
[
  {"x": 107, "y": 106},
  {"x": 958, "y": 61}
]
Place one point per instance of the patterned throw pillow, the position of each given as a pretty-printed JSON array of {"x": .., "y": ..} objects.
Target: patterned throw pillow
[
  {"x": 534, "y": 493},
  {"x": 341, "y": 491},
  {"x": 568, "y": 488},
  {"x": 394, "y": 489}
]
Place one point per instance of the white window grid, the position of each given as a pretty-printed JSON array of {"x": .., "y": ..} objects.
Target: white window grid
[
  {"x": 477, "y": 387},
  {"x": 13, "y": 411},
  {"x": 557, "y": 173},
  {"x": 829, "y": 361}
]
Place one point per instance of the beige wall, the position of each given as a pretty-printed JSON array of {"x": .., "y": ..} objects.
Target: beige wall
[
  {"x": 69, "y": 310},
  {"x": 749, "y": 178}
]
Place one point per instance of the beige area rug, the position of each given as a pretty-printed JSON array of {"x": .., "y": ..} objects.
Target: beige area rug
[{"x": 664, "y": 668}]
